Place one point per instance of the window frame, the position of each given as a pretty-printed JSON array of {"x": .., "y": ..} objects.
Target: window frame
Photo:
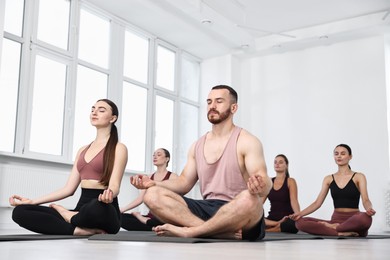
[{"x": 31, "y": 47}]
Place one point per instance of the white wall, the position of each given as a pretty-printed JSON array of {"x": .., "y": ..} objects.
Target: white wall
[
  {"x": 304, "y": 103},
  {"x": 2, "y": 13}
]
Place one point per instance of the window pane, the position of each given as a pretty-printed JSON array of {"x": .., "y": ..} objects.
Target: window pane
[
  {"x": 188, "y": 131},
  {"x": 133, "y": 122},
  {"x": 165, "y": 68},
  {"x": 48, "y": 106},
  {"x": 53, "y": 22},
  {"x": 190, "y": 79},
  {"x": 9, "y": 81},
  {"x": 164, "y": 124},
  {"x": 91, "y": 86},
  {"x": 94, "y": 39},
  {"x": 136, "y": 57},
  {"x": 13, "y": 18}
]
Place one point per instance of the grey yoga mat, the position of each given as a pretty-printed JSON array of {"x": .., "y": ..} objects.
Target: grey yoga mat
[
  {"x": 23, "y": 237},
  {"x": 150, "y": 236}
]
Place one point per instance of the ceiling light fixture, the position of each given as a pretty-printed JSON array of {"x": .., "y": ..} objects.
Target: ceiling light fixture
[{"x": 206, "y": 22}]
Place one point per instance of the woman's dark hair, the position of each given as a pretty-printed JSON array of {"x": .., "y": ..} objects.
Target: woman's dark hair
[
  {"x": 109, "y": 150},
  {"x": 286, "y": 160},
  {"x": 348, "y": 149},
  {"x": 167, "y": 154},
  {"x": 232, "y": 92}
]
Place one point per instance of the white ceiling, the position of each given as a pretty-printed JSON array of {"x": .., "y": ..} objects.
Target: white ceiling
[{"x": 209, "y": 28}]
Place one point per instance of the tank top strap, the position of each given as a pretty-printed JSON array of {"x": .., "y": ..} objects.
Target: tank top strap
[
  {"x": 82, "y": 154},
  {"x": 285, "y": 182},
  {"x": 166, "y": 177}
]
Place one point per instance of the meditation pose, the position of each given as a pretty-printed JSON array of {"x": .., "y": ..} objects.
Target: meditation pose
[
  {"x": 98, "y": 169},
  {"x": 346, "y": 187},
  {"x": 228, "y": 163},
  {"x": 283, "y": 199},
  {"x": 135, "y": 220}
]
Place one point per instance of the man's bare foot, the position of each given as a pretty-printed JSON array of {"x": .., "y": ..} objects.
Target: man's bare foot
[
  {"x": 175, "y": 231},
  {"x": 330, "y": 225},
  {"x": 66, "y": 214},
  {"x": 87, "y": 231},
  {"x": 238, "y": 235},
  {"x": 168, "y": 230},
  {"x": 348, "y": 234}
]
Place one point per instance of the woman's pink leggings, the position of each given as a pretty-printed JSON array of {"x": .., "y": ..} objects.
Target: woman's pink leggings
[{"x": 358, "y": 222}]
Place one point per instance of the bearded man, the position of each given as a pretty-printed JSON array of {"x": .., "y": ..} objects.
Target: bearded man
[{"x": 229, "y": 164}]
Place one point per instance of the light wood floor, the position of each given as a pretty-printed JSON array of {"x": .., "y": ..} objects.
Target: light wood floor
[{"x": 72, "y": 249}]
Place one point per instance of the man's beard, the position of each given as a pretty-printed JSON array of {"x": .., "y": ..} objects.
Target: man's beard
[{"x": 222, "y": 116}]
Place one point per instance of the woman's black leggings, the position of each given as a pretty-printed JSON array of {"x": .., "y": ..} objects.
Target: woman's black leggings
[
  {"x": 91, "y": 214},
  {"x": 131, "y": 223}
]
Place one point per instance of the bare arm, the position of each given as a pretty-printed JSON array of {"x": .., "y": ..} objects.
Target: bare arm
[
  {"x": 252, "y": 164},
  {"x": 117, "y": 174},
  {"x": 181, "y": 185},
  {"x": 119, "y": 168},
  {"x": 318, "y": 202},
  {"x": 67, "y": 190},
  {"x": 139, "y": 200},
  {"x": 135, "y": 203},
  {"x": 362, "y": 184},
  {"x": 293, "y": 188}
]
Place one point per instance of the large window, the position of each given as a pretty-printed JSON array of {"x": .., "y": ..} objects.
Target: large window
[
  {"x": 94, "y": 39},
  {"x": 53, "y": 22},
  {"x": 9, "y": 81},
  {"x": 13, "y": 18},
  {"x": 47, "y": 106},
  {"x": 136, "y": 58},
  {"x": 164, "y": 123},
  {"x": 60, "y": 56},
  {"x": 165, "y": 68},
  {"x": 134, "y": 124}
]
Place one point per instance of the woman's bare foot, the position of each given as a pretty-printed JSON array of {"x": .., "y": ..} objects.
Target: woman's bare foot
[
  {"x": 273, "y": 229},
  {"x": 140, "y": 217},
  {"x": 348, "y": 234},
  {"x": 330, "y": 225},
  {"x": 87, "y": 231},
  {"x": 66, "y": 214}
]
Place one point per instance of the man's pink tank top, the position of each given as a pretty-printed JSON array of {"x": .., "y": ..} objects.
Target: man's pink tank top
[{"x": 223, "y": 179}]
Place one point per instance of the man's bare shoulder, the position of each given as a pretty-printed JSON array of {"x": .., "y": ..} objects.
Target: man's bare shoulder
[{"x": 246, "y": 136}]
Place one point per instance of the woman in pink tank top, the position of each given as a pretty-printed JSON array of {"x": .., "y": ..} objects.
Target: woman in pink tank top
[{"x": 98, "y": 170}]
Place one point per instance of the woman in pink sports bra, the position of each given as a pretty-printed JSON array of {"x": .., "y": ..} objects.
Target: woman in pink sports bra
[
  {"x": 135, "y": 220},
  {"x": 346, "y": 187},
  {"x": 98, "y": 170}
]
